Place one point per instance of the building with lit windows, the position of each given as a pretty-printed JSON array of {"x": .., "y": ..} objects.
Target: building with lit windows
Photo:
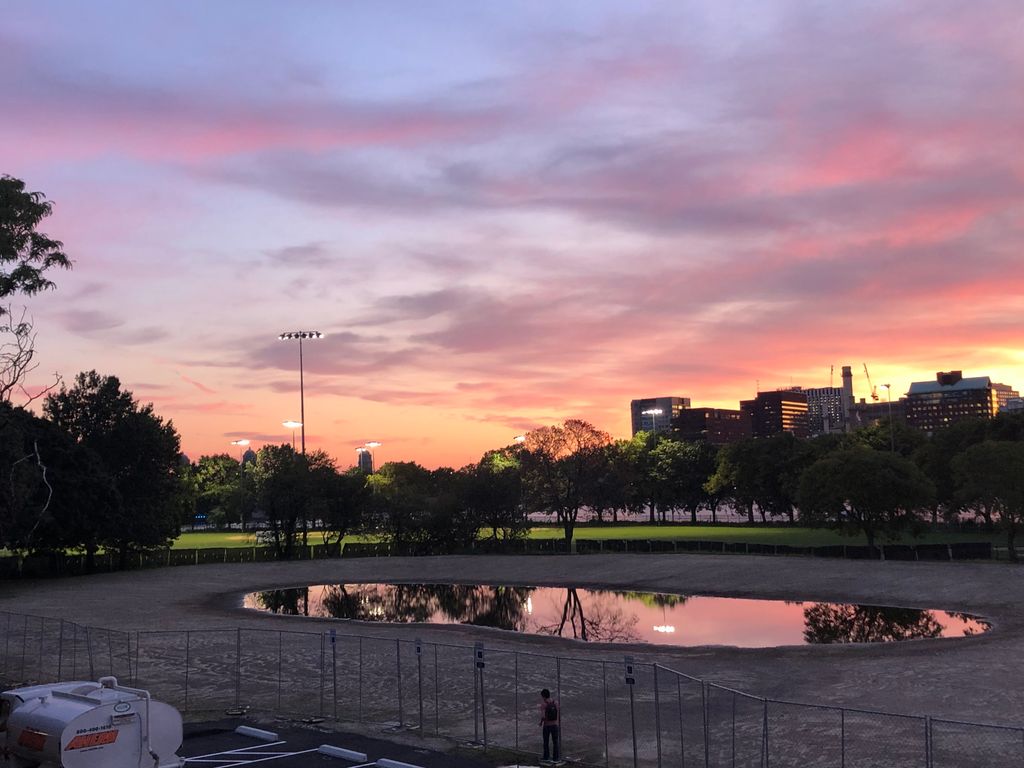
[
  {"x": 660, "y": 411},
  {"x": 715, "y": 426},
  {"x": 825, "y": 412},
  {"x": 932, "y": 405},
  {"x": 770, "y": 413}
]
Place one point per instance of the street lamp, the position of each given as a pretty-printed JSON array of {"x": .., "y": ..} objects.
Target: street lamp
[
  {"x": 242, "y": 442},
  {"x": 292, "y": 425},
  {"x": 653, "y": 413},
  {"x": 519, "y": 439},
  {"x": 892, "y": 437},
  {"x": 300, "y": 335}
]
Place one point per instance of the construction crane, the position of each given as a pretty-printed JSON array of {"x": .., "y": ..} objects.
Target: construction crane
[{"x": 874, "y": 392}]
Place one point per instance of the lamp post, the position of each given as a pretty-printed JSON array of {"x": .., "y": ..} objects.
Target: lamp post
[
  {"x": 892, "y": 436},
  {"x": 242, "y": 442},
  {"x": 369, "y": 446},
  {"x": 653, "y": 413},
  {"x": 300, "y": 335},
  {"x": 292, "y": 425}
]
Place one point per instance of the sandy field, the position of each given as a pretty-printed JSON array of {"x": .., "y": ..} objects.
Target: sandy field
[{"x": 977, "y": 678}]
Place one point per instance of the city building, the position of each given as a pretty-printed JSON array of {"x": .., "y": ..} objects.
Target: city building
[
  {"x": 716, "y": 426},
  {"x": 655, "y": 414},
  {"x": 864, "y": 414},
  {"x": 770, "y": 413},
  {"x": 365, "y": 460},
  {"x": 1012, "y": 405},
  {"x": 825, "y": 411},
  {"x": 933, "y": 405}
]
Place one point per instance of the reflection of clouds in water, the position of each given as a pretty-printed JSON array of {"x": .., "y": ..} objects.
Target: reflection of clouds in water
[{"x": 620, "y": 616}]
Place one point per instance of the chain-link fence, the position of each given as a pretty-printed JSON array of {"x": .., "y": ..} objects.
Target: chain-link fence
[{"x": 612, "y": 713}]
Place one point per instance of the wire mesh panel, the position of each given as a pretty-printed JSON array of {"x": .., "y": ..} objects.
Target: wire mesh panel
[
  {"x": 162, "y": 664},
  {"x": 213, "y": 668},
  {"x": 799, "y": 735},
  {"x": 302, "y": 673},
  {"x": 967, "y": 745},
  {"x": 260, "y": 668},
  {"x": 108, "y": 650},
  {"x": 582, "y": 714},
  {"x": 735, "y": 728},
  {"x": 383, "y": 700},
  {"x": 536, "y": 672},
  {"x": 874, "y": 740},
  {"x": 456, "y": 679}
]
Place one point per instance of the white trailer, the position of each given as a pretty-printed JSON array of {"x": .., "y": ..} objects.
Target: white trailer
[{"x": 87, "y": 725}]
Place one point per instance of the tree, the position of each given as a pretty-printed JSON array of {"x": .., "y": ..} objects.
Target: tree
[
  {"x": 560, "y": 465},
  {"x": 25, "y": 253},
  {"x": 136, "y": 450},
  {"x": 290, "y": 488},
  {"x": 935, "y": 457},
  {"x": 860, "y": 490},
  {"x": 218, "y": 487},
  {"x": 344, "y": 497},
  {"x": 680, "y": 471},
  {"x": 736, "y": 476},
  {"x": 991, "y": 475},
  {"x": 494, "y": 491}
]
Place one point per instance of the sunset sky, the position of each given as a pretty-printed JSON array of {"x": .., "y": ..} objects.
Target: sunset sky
[{"x": 507, "y": 214}]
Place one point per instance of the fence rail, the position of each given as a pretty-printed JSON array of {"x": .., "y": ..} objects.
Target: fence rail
[
  {"x": 643, "y": 715},
  {"x": 60, "y": 564}
]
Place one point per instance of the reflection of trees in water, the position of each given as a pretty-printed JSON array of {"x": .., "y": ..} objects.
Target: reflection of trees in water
[
  {"x": 603, "y": 622},
  {"x": 290, "y": 602},
  {"x": 975, "y": 625},
  {"x": 654, "y": 599},
  {"x": 831, "y": 623},
  {"x": 487, "y": 606}
]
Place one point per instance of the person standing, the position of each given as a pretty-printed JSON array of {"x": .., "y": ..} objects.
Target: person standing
[{"x": 550, "y": 723}]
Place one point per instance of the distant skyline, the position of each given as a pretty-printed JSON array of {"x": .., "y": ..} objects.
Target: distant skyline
[{"x": 506, "y": 216}]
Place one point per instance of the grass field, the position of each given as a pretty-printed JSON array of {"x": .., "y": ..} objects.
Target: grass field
[{"x": 797, "y": 537}]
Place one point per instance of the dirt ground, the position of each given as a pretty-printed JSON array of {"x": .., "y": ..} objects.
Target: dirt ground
[{"x": 976, "y": 678}]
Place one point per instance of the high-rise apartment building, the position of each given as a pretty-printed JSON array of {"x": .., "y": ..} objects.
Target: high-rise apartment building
[
  {"x": 784, "y": 410},
  {"x": 933, "y": 405},
  {"x": 365, "y": 460},
  {"x": 655, "y": 414}
]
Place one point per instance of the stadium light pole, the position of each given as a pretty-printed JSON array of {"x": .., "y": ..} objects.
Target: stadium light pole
[
  {"x": 653, "y": 413},
  {"x": 300, "y": 335},
  {"x": 892, "y": 436},
  {"x": 370, "y": 446},
  {"x": 292, "y": 425},
  {"x": 241, "y": 442}
]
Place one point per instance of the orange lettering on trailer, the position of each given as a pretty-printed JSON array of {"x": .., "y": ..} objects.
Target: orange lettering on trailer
[
  {"x": 32, "y": 740},
  {"x": 92, "y": 740}
]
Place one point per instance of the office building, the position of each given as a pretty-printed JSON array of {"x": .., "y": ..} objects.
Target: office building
[
  {"x": 655, "y": 414},
  {"x": 716, "y": 426},
  {"x": 933, "y": 405},
  {"x": 825, "y": 411},
  {"x": 1012, "y": 405},
  {"x": 770, "y": 413},
  {"x": 865, "y": 414},
  {"x": 365, "y": 460}
]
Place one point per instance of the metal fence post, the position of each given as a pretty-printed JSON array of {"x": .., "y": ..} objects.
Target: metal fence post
[
  {"x": 60, "y": 651},
  {"x": 419, "y": 678},
  {"x": 280, "y": 662},
  {"x": 88, "y": 649},
  {"x": 515, "y": 692},
  {"x": 7, "y": 642},
  {"x": 360, "y": 679},
  {"x": 682, "y": 738},
  {"x": 398, "y": 669},
  {"x": 188, "y": 649},
  {"x": 734, "y": 729},
  {"x": 323, "y": 672},
  {"x": 928, "y": 742},
  {"x": 334, "y": 671},
  {"x": 476, "y": 701},
  {"x": 842, "y": 738},
  {"x": 704, "y": 722},
  {"x": 42, "y": 633},
  {"x": 24, "y": 639},
  {"x": 437, "y": 707},
  {"x": 767, "y": 744},
  {"x": 604, "y": 689},
  {"x": 657, "y": 714},
  {"x": 238, "y": 667},
  {"x": 110, "y": 654}
]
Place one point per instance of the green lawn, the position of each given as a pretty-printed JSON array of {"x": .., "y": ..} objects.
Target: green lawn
[{"x": 798, "y": 537}]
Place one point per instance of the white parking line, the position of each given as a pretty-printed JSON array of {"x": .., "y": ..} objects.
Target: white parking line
[{"x": 259, "y": 754}]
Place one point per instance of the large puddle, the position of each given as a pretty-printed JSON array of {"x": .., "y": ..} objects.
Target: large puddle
[{"x": 618, "y": 617}]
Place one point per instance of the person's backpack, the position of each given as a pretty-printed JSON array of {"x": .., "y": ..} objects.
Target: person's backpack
[{"x": 551, "y": 712}]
